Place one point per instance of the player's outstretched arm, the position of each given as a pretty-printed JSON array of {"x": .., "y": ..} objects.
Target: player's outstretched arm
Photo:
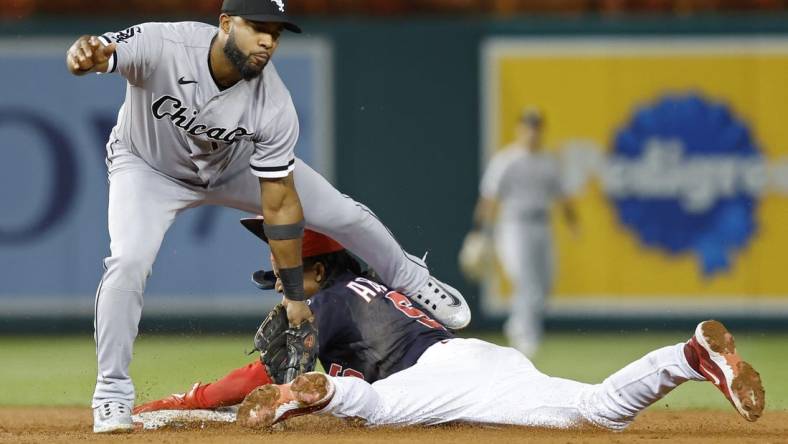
[
  {"x": 284, "y": 224},
  {"x": 88, "y": 54}
]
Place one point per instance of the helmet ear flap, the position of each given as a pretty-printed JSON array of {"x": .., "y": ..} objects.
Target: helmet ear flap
[{"x": 264, "y": 280}]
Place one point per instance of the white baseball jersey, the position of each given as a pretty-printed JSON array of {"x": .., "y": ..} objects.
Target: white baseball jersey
[
  {"x": 524, "y": 182},
  {"x": 179, "y": 122}
]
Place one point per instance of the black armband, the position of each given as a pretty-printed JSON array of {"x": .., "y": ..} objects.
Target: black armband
[
  {"x": 284, "y": 232},
  {"x": 293, "y": 282}
]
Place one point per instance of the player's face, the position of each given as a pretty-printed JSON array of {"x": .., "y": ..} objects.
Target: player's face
[
  {"x": 530, "y": 135},
  {"x": 250, "y": 45}
]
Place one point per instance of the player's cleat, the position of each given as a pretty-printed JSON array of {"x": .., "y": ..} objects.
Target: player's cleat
[
  {"x": 718, "y": 362},
  {"x": 271, "y": 404},
  {"x": 444, "y": 303},
  {"x": 176, "y": 401},
  {"x": 112, "y": 417}
]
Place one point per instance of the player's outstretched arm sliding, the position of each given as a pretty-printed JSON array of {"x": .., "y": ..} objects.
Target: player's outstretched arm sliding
[
  {"x": 284, "y": 227},
  {"x": 88, "y": 54}
]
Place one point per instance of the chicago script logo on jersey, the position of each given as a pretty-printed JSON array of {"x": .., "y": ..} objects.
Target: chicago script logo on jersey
[
  {"x": 172, "y": 108},
  {"x": 122, "y": 36}
]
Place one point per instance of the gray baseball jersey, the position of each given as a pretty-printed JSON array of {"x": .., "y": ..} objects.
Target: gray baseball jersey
[
  {"x": 523, "y": 182},
  {"x": 178, "y": 121}
]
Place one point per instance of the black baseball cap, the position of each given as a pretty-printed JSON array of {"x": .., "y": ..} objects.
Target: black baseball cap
[
  {"x": 532, "y": 117},
  {"x": 272, "y": 11}
]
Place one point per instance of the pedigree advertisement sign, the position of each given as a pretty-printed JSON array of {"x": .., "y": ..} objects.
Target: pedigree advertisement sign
[{"x": 675, "y": 153}]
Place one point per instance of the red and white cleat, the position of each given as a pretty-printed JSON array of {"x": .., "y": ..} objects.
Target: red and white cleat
[
  {"x": 271, "y": 404},
  {"x": 719, "y": 363},
  {"x": 176, "y": 401}
]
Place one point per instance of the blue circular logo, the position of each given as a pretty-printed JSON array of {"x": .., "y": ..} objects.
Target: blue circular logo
[{"x": 680, "y": 169}]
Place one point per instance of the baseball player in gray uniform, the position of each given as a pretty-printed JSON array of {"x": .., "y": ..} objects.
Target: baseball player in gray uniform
[
  {"x": 203, "y": 104},
  {"x": 518, "y": 187}
]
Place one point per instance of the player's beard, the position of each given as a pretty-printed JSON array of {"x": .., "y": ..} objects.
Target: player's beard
[{"x": 240, "y": 60}]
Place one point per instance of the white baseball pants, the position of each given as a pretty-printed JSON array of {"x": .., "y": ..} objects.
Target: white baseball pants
[
  {"x": 469, "y": 380},
  {"x": 525, "y": 249}
]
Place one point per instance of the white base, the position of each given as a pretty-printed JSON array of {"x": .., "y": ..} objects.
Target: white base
[{"x": 181, "y": 418}]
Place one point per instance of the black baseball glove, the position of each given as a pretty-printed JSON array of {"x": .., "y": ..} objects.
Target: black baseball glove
[{"x": 286, "y": 351}]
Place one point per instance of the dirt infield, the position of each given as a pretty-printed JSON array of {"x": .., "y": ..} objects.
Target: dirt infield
[{"x": 61, "y": 425}]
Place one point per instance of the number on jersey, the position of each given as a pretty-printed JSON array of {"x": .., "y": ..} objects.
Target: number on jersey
[
  {"x": 336, "y": 370},
  {"x": 404, "y": 305}
]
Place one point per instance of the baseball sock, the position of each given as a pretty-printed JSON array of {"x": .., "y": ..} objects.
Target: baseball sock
[{"x": 233, "y": 388}]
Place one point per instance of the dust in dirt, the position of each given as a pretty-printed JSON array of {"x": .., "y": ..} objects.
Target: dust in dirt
[{"x": 66, "y": 425}]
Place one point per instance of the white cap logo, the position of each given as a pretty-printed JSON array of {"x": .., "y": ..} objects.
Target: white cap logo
[{"x": 281, "y": 5}]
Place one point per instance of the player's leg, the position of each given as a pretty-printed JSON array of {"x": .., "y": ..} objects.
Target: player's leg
[
  {"x": 531, "y": 256},
  {"x": 542, "y": 254},
  {"x": 616, "y": 402},
  {"x": 521, "y": 395},
  {"x": 357, "y": 228},
  {"x": 710, "y": 355},
  {"x": 613, "y": 404},
  {"x": 228, "y": 390},
  {"x": 513, "y": 248},
  {"x": 142, "y": 206}
]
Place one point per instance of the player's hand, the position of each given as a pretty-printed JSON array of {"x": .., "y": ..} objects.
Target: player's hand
[
  {"x": 88, "y": 54},
  {"x": 297, "y": 312}
]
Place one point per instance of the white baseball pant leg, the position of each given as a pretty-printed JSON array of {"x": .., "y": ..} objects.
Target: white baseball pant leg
[
  {"x": 328, "y": 211},
  {"x": 526, "y": 252},
  {"x": 469, "y": 380},
  {"x": 142, "y": 206}
]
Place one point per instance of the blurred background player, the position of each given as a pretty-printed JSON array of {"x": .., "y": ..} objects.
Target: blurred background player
[{"x": 517, "y": 190}]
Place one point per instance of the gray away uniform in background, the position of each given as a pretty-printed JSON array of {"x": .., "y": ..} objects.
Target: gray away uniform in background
[
  {"x": 525, "y": 184},
  {"x": 180, "y": 143}
]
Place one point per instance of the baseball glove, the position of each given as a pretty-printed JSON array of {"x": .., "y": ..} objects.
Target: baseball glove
[
  {"x": 476, "y": 255},
  {"x": 301, "y": 350},
  {"x": 286, "y": 351}
]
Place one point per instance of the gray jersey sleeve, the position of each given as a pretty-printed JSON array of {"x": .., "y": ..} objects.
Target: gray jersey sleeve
[
  {"x": 139, "y": 50},
  {"x": 274, "y": 150},
  {"x": 274, "y": 155},
  {"x": 557, "y": 183},
  {"x": 493, "y": 177}
]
